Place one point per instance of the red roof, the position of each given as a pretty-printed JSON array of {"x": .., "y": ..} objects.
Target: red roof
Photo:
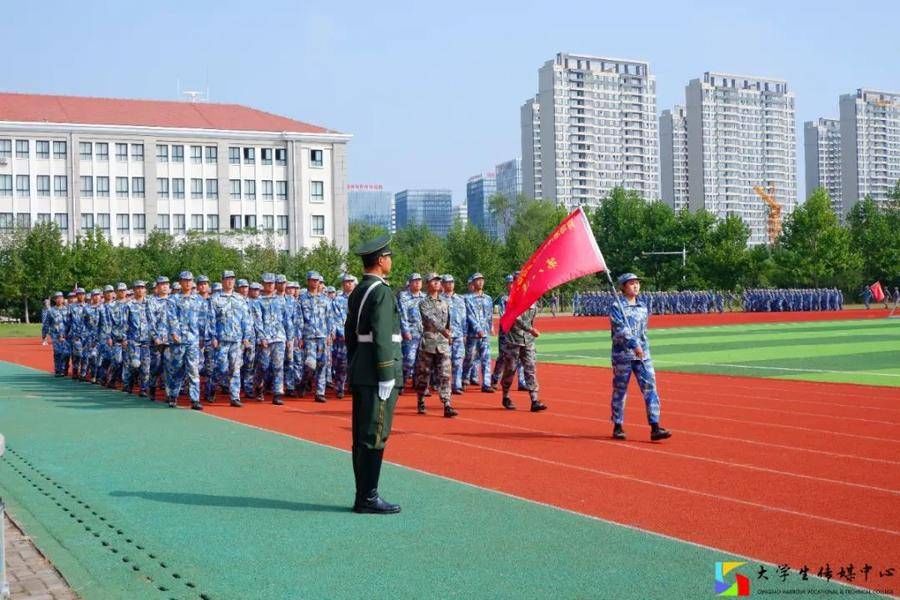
[{"x": 146, "y": 113}]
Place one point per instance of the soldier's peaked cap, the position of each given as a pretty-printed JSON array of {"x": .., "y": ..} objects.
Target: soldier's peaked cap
[{"x": 379, "y": 246}]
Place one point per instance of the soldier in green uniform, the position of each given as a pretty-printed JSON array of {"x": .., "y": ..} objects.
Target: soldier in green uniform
[{"x": 375, "y": 373}]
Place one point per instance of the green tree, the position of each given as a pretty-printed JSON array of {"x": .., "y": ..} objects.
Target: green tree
[
  {"x": 44, "y": 259},
  {"x": 207, "y": 256},
  {"x": 469, "y": 249},
  {"x": 874, "y": 233},
  {"x": 814, "y": 250},
  {"x": 13, "y": 273},
  {"x": 416, "y": 249},
  {"x": 725, "y": 261},
  {"x": 93, "y": 260},
  {"x": 364, "y": 232}
]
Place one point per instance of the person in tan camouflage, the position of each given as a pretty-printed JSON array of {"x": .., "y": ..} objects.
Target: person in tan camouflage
[
  {"x": 433, "y": 355},
  {"x": 518, "y": 348}
]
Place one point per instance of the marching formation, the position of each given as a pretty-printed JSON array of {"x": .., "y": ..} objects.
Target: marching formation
[
  {"x": 592, "y": 304},
  {"x": 769, "y": 300}
]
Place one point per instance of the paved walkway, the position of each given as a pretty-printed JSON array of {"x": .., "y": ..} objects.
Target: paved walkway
[{"x": 30, "y": 575}]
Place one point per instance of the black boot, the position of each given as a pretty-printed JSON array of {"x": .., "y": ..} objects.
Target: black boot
[
  {"x": 658, "y": 433},
  {"x": 320, "y": 398},
  {"x": 449, "y": 411},
  {"x": 536, "y": 404},
  {"x": 507, "y": 402},
  {"x": 368, "y": 501},
  {"x": 618, "y": 433},
  {"x": 276, "y": 399},
  {"x": 196, "y": 406}
]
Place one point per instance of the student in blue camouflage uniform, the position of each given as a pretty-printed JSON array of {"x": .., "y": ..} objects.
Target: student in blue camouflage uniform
[
  {"x": 479, "y": 317},
  {"x": 314, "y": 324},
  {"x": 274, "y": 336},
  {"x": 54, "y": 326},
  {"x": 339, "y": 345},
  {"x": 457, "y": 308},
  {"x": 182, "y": 357},
  {"x": 75, "y": 331},
  {"x": 138, "y": 339},
  {"x": 293, "y": 360},
  {"x": 114, "y": 332},
  {"x": 207, "y": 352},
  {"x": 631, "y": 354},
  {"x": 248, "y": 357},
  {"x": 231, "y": 321},
  {"x": 408, "y": 302},
  {"x": 157, "y": 315},
  {"x": 104, "y": 336},
  {"x": 92, "y": 337}
]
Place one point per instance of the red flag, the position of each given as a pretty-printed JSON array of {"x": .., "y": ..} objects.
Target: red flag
[
  {"x": 568, "y": 253},
  {"x": 877, "y": 291}
]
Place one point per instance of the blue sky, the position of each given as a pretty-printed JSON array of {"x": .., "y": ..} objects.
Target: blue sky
[{"x": 431, "y": 91}]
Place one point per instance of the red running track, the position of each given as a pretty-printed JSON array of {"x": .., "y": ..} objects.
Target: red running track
[{"x": 781, "y": 471}]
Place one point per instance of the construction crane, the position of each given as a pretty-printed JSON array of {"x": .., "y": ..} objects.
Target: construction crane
[{"x": 774, "y": 220}]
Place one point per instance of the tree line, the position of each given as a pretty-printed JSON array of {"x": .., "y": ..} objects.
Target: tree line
[{"x": 814, "y": 250}]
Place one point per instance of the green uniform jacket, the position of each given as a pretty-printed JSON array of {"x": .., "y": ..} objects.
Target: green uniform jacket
[{"x": 379, "y": 359}]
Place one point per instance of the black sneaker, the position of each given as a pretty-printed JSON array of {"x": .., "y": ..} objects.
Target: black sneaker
[
  {"x": 276, "y": 399},
  {"x": 449, "y": 411},
  {"x": 236, "y": 403},
  {"x": 320, "y": 399},
  {"x": 537, "y": 406},
  {"x": 658, "y": 433},
  {"x": 508, "y": 403},
  {"x": 196, "y": 406},
  {"x": 618, "y": 433}
]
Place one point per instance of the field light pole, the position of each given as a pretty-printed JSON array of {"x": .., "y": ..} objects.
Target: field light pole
[
  {"x": 682, "y": 252},
  {"x": 4, "y": 585}
]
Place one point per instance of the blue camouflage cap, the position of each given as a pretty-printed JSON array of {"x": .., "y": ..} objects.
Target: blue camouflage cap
[
  {"x": 280, "y": 278},
  {"x": 510, "y": 279},
  {"x": 79, "y": 290},
  {"x": 96, "y": 292},
  {"x": 228, "y": 274},
  {"x": 448, "y": 278},
  {"x": 176, "y": 286},
  {"x": 312, "y": 275},
  {"x": 121, "y": 286},
  {"x": 202, "y": 279},
  {"x": 186, "y": 275},
  {"x": 625, "y": 278},
  {"x": 72, "y": 294},
  {"x": 217, "y": 287},
  {"x": 330, "y": 290},
  {"x": 348, "y": 277},
  {"x": 414, "y": 276},
  {"x": 140, "y": 283},
  {"x": 243, "y": 283},
  {"x": 268, "y": 278},
  {"x": 255, "y": 286},
  {"x": 432, "y": 276},
  {"x": 292, "y": 284},
  {"x": 57, "y": 294},
  {"x": 477, "y": 275},
  {"x": 108, "y": 288},
  {"x": 162, "y": 279}
]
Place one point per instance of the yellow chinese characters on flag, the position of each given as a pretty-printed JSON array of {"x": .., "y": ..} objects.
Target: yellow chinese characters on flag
[{"x": 568, "y": 253}]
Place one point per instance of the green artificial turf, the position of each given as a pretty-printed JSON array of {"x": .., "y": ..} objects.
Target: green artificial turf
[
  {"x": 860, "y": 351},
  {"x": 131, "y": 499},
  {"x": 20, "y": 330}
]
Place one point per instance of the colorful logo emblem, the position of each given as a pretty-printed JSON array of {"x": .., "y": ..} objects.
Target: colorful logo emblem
[{"x": 739, "y": 587}]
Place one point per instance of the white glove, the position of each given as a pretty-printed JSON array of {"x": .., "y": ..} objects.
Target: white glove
[{"x": 385, "y": 388}]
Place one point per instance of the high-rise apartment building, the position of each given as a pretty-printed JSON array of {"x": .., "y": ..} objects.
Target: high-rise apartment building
[
  {"x": 673, "y": 158},
  {"x": 740, "y": 134},
  {"x": 369, "y": 203},
  {"x": 822, "y": 151},
  {"x": 532, "y": 180},
  {"x": 432, "y": 208}
]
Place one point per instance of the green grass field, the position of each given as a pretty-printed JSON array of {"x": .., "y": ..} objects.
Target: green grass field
[
  {"x": 12, "y": 330},
  {"x": 864, "y": 352}
]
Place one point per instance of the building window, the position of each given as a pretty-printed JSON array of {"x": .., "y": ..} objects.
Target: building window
[
  {"x": 265, "y": 155},
  {"x": 23, "y": 220},
  {"x": 5, "y": 148},
  {"x": 162, "y": 187},
  {"x": 196, "y": 154},
  {"x": 212, "y": 154},
  {"x": 102, "y": 186},
  {"x": 87, "y": 221},
  {"x": 62, "y": 221},
  {"x": 212, "y": 189},
  {"x": 162, "y": 223},
  {"x": 234, "y": 155},
  {"x": 178, "y": 187},
  {"x": 43, "y": 218},
  {"x": 316, "y": 158},
  {"x": 42, "y": 149},
  {"x": 177, "y": 153},
  {"x": 250, "y": 189},
  {"x": 59, "y": 150},
  {"x": 102, "y": 151},
  {"x": 268, "y": 222},
  {"x": 60, "y": 185},
  {"x": 23, "y": 186},
  {"x": 137, "y": 186},
  {"x": 139, "y": 222},
  {"x": 121, "y": 187},
  {"x": 235, "y": 189},
  {"x": 281, "y": 156},
  {"x": 281, "y": 190},
  {"x": 196, "y": 222},
  {"x": 212, "y": 222},
  {"x": 85, "y": 150},
  {"x": 137, "y": 152},
  {"x": 267, "y": 190},
  {"x": 250, "y": 221},
  {"x": 249, "y": 156},
  {"x": 162, "y": 153},
  {"x": 122, "y": 152},
  {"x": 21, "y": 148},
  {"x": 103, "y": 221},
  {"x": 318, "y": 225},
  {"x": 282, "y": 224},
  {"x": 6, "y": 221},
  {"x": 235, "y": 222},
  {"x": 87, "y": 186},
  {"x": 316, "y": 191},
  {"x": 178, "y": 223},
  {"x": 196, "y": 187},
  {"x": 6, "y": 185},
  {"x": 122, "y": 223}
]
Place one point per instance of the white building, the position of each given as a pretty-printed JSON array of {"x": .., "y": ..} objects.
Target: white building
[
  {"x": 870, "y": 145},
  {"x": 740, "y": 135},
  {"x": 130, "y": 166},
  {"x": 532, "y": 180},
  {"x": 822, "y": 150},
  {"x": 598, "y": 129},
  {"x": 673, "y": 158}
]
